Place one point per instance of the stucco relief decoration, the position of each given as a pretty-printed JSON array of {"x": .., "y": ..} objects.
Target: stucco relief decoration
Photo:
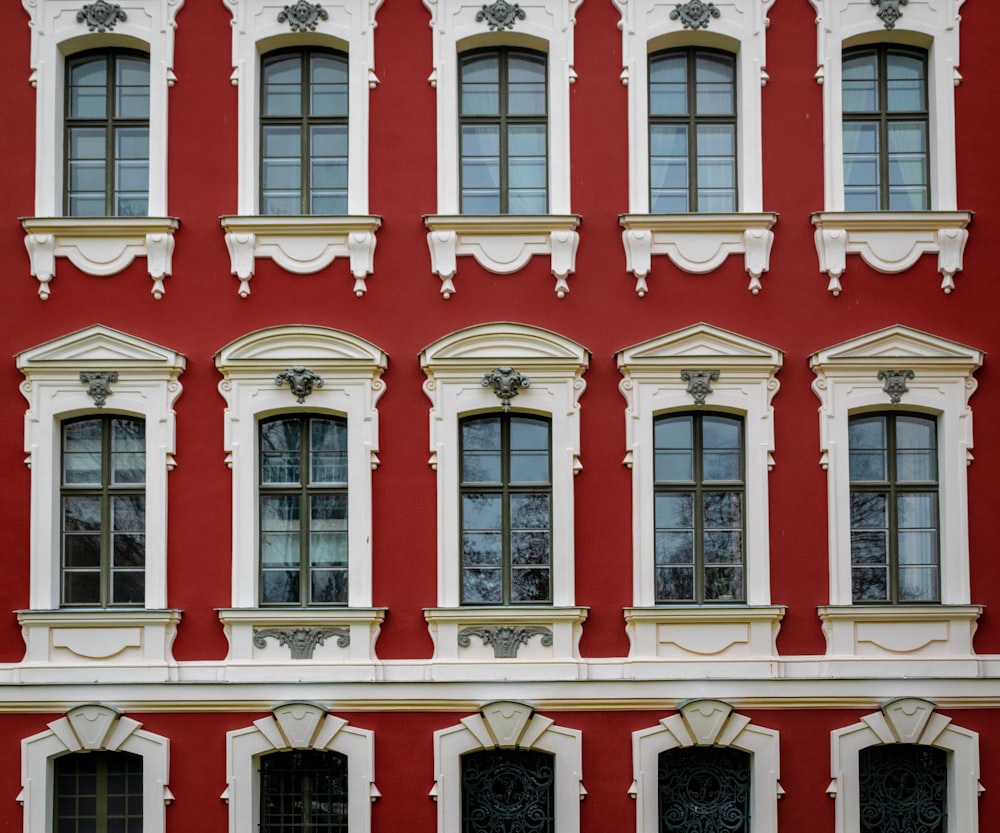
[
  {"x": 699, "y": 383},
  {"x": 303, "y": 16},
  {"x": 505, "y": 639},
  {"x": 101, "y": 16},
  {"x": 895, "y": 383},
  {"x": 301, "y": 380},
  {"x": 889, "y": 11},
  {"x": 506, "y": 383},
  {"x": 694, "y": 14},
  {"x": 301, "y": 642},
  {"x": 99, "y": 385},
  {"x": 500, "y": 15}
]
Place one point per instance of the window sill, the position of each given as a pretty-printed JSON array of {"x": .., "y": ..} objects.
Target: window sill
[
  {"x": 891, "y": 241},
  {"x": 301, "y": 245},
  {"x": 503, "y": 244},
  {"x": 697, "y": 243},
  {"x": 99, "y": 246}
]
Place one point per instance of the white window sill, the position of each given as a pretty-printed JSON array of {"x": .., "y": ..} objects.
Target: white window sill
[
  {"x": 882, "y": 632},
  {"x": 502, "y": 243},
  {"x": 697, "y": 243},
  {"x": 891, "y": 241},
  {"x": 99, "y": 246},
  {"x": 301, "y": 245}
]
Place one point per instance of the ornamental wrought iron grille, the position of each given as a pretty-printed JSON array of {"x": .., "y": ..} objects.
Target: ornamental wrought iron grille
[
  {"x": 101, "y": 16},
  {"x": 506, "y": 383},
  {"x": 303, "y": 16},
  {"x": 99, "y": 384},
  {"x": 303, "y": 791},
  {"x": 301, "y": 380},
  {"x": 895, "y": 383},
  {"x": 695, "y": 14},
  {"x": 704, "y": 789},
  {"x": 889, "y": 11},
  {"x": 903, "y": 788},
  {"x": 301, "y": 642},
  {"x": 508, "y": 791},
  {"x": 500, "y": 15}
]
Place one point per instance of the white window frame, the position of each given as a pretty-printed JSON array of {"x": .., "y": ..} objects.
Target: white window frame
[
  {"x": 707, "y": 723},
  {"x": 907, "y": 720},
  {"x": 891, "y": 241},
  {"x": 302, "y": 245},
  {"x": 507, "y": 725},
  {"x": 91, "y": 728},
  {"x": 98, "y": 245},
  {"x": 298, "y": 726},
  {"x": 503, "y": 243}
]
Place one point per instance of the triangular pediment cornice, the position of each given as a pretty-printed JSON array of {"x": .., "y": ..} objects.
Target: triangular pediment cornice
[
  {"x": 301, "y": 344},
  {"x": 98, "y": 346},
  {"x": 897, "y": 345},
  {"x": 504, "y": 342},
  {"x": 697, "y": 345}
]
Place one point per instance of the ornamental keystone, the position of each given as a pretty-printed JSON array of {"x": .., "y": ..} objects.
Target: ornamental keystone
[
  {"x": 895, "y": 383},
  {"x": 506, "y": 383},
  {"x": 99, "y": 384},
  {"x": 695, "y": 14},
  {"x": 301, "y": 380},
  {"x": 500, "y": 15},
  {"x": 699, "y": 383},
  {"x": 303, "y": 16},
  {"x": 889, "y": 11},
  {"x": 101, "y": 16}
]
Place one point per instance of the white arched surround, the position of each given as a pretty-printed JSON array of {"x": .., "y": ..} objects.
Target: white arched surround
[
  {"x": 707, "y": 723},
  {"x": 302, "y": 245},
  {"x": 455, "y": 366},
  {"x": 101, "y": 245},
  {"x": 907, "y": 720},
  {"x": 298, "y": 726},
  {"x": 652, "y": 385},
  {"x": 847, "y": 383},
  {"x": 505, "y": 725},
  {"x": 147, "y": 386},
  {"x": 351, "y": 372},
  {"x": 891, "y": 241},
  {"x": 86, "y": 729}
]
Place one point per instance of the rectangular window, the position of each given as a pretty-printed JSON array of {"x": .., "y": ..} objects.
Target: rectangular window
[
  {"x": 103, "y": 511},
  {"x": 704, "y": 788},
  {"x": 508, "y": 791},
  {"x": 503, "y": 126},
  {"x": 303, "y": 791},
  {"x": 98, "y": 792},
  {"x": 699, "y": 518},
  {"x": 303, "y": 511},
  {"x": 506, "y": 497},
  {"x": 692, "y": 131},
  {"x": 894, "y": 508},
  {"x": 107, "y": 134},
  {"x": 903, "y": 786}
]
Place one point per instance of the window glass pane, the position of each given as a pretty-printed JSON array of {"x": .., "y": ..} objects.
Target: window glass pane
[
  {"x": 906, "y": 83},
  {"x": 282, "y": 86},
  {"x": 525, "y": 85},
  {"x": 280, "y": 451},
  {"x": 88, "y": 91},
  {"x": 279, "y": 527},
  {"x": 867, "y": 439},
  {"x": 482, "y": 511},
  {"x": 82, "y": 452},
  {"x": 529, "y": 584},
  {"x": 328, "y": 530},
  {"x": 280, "y": 587},
  {"x": 860, "y": 83},
  {"x": 674, "y": 584},
  {"x": 328, "y": 587},
  {"x": 480, "y": 85},
  {"x": 132, "y": 88},
  {"x": 715, "y": 90},
  {"x": 328, "y": 86},
  {"x": 668, "y": 85}
]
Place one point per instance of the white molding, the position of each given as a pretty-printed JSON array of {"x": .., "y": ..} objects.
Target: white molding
[
  {"x": 301, "y": 245},
  {"x": 847, "y": 382},
  {"x": 454, "y": 366},
  {"x": 507, "y": 725},
  {"x": 56, "y": 34},
  {"x": 651, "y": 384},
  {"x": 907, "y": 720},
  {"x": 99, "y": 246},
  {"x": 707, "y": 723},
  {"x": 147, "y": 387},
  {"x": 351, "y": 369},
  {"x": 891, "y": 241},
  {"x": 697, "y": 243},
  {"x": 87, "y": 728},
  {"x": 298, "y": 726},
  {"x": 502, "y": 244},
  {"x": 740, "y": 28}
]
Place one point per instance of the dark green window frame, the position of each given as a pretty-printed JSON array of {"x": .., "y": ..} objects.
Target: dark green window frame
[
  {"x": 119, "y": 164},
  {"x": 891, "y": 162},
  {"x": 506, "y": 521},
  {"x": 311, "y": 509},
  {"x": 700, "y": 509},
  {"x": 893, "y": 513},
  {"x": 506, "y": 117},
  {"x": 322, "y": 175},
  {"x": 304, "y": 791},
  {"x": 508, "y": 791},
  {"x": 904, "y": 787},
  {"x": 103, "y": 524},
  {"x": 97, "y": 792},
  {"x": 693, "y": 118},
  {"x": 704, "y": 788}
]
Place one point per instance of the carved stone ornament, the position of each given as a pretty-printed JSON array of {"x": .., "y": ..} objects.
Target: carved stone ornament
[
  {"x": 506, "y": 383},
  {"x": 694, "y": 14},
  {"x": 895, "y": 383},
  {"x": 99, "y": 384},
  {"x": 303, "y": 16},
  {"x": 505, "y": 639},
  {"x": 888, "y": 11},
  {"x": 301, "y": 380},
  {"x": 500, "y": 15},
  {"x": 101, "y": 16},
  {"x": 301, "y": 641},
  {"x": 699, "y": 383}
]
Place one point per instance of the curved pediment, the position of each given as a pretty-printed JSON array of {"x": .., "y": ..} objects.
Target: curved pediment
[
  {"x": 502, "y": 342},
  {"x": 302, "y": 344}
]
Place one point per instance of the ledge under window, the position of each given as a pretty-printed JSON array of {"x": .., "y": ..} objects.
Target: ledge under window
[
  {"x": 891, "y": 241},
  {"x": 697, "y": 243},
  {"x": 301, "y": 244},
  {"x": 502, "y": 243},
  {"x": 99, "y": 246}
]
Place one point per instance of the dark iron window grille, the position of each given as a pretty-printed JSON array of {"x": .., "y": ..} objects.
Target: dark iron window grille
[
  {"x": 903, "y": 789},
  {"x": 303, "y": 791},
  {"x": 704, "y": 789},
  {"x": 508, "y": 791},
  {"x": 98, "y": 792}
]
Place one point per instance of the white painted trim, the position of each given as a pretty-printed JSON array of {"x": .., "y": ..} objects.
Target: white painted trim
[
  {"x": 707, "y": 723},
  {"x": 298, "y": 726},
  {"x": 907, "y": 720}
]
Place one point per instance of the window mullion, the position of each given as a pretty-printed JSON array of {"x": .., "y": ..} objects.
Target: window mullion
[
  {"x": 503, "y": 92},
  {"x": 305, "y": 515},
  {"x": 692, "y": 142},
  {"x": 106, "y": 565},
  {"x": 506, "y": 580},
  {"x": 699, "y": 496},
  {"x": 109, "y": 138}
]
